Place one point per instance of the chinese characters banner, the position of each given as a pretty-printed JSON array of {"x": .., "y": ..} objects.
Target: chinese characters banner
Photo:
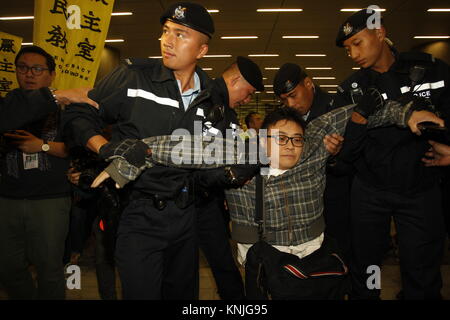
[
  {"x": 74, "y": 32},
  {"x": 9, "y": 46}
]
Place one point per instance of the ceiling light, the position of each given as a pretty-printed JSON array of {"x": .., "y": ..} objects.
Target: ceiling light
[
  {"x": 114, "y": 40},
  {"x": 300, "y": 37},
  {"x": 207, "y": 69},
  {"x": 122, "y": 13},
  {"x": 356, "y": 68},
  {"x": 213, "y": 11},
  {"x": 354, "y": 10},
  {"x": 310, "y": 55},
  {"x": 318, "y": 68},
  {"x": 263, "y": 55},
  {"x": 155, "y": 57},
  {"x": 324, "y": 78},
  {"x": 17, "y": 18},
  {"x": 272, "y": 68},
  {"x": 239, "y": 37},
  {"x": 332, "y": 91},
  {"x": 432, "y": 37},
  {"x": 218, "y": 56},
  {"x": 27, "y": 43},
  {"x": 328, "y": 85},
  {"x": 32, "y": 17},
  {"x": 270, "y": 92},
  {"x": 438, "y": 10},
  {"x": 264, "y": 78},
  {"x": 279, "y": 10},
  {"x": 268, "y": 85}
]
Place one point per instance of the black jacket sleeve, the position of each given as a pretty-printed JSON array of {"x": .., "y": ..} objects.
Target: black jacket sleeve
[
  {"x": 21, "y": 107},
  {"x": 81, "y": 122}
]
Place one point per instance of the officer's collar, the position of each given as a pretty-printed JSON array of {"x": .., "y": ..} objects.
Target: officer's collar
[
  {"x": 398, "y": 65},
  {"x": 162, "y": 73},
  {"x": 222, "y": 90}
]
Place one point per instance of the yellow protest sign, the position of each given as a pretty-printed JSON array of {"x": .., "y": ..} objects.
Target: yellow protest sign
[
  {"x": 74, "y": 32},
  {"x": 9, "y": 46}
]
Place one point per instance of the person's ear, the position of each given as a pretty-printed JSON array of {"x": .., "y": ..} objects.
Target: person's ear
[
  {"x": 203, "y": 50},
  {"x": 380, "y": 34},
  {"x": 308, "y": 83}
]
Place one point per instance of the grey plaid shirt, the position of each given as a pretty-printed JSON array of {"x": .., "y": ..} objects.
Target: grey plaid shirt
[{"x": 294, "y": 200}]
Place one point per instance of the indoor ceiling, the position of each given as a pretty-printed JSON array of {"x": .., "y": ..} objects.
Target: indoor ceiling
[{"x": 141, "y": 30}]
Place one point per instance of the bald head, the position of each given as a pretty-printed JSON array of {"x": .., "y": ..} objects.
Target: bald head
[{"x": 239, "y": 90}]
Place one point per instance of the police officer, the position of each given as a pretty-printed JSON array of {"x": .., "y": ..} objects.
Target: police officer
[
  {"x": 157, "y": 251},
  {"x": 296, "y": 89},
  {"x": 390, "y": 178},
  {"x": 233, "y": 89}
]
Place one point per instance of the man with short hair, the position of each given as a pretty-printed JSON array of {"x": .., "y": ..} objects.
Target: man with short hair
[
  {"x": 391, "y": 180},
  {"x": 157, "y": 245},
  {"x": 297, "y": 90},
  {"x": 253, "y": 121},
  {"x": 34, "y": 193},
  {"x": 234, "y": 88}
]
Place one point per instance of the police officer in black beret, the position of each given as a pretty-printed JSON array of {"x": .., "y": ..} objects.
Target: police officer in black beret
[
  {"x": 391, "y": 180},
  {"x": 157, "y": 245},
  {"x": 234, "y": 88},
  {"x": 296, "y": 89}
]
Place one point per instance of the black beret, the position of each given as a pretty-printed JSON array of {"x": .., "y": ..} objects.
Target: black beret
[
  {"x": 251, "y": 72},
  {"x": 191, "y": 15},
  {"x": 354, "y": 24},
  {"x": 287, "y": 78}
]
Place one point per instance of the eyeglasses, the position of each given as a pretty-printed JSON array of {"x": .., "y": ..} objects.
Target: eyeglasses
[
  {"x": 23, "y": 69},
  {"x": 282, "y": 140}
]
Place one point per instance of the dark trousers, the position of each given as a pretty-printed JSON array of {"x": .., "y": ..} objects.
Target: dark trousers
[
  {"x": 105, "y": 268},
  {"x": 420, "y": 231},
  {"x": 32, "y": 232},
  {"x": 214, "y": 242},
  {"x": 337, "y": 212},
  {"x": 157, "y": 252}
]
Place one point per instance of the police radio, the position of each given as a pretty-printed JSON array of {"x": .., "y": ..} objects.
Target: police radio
[{"x": 416, "y": 75}]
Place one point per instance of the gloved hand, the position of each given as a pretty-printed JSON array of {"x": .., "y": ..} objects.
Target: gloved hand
[
  {"x": 239, "y": 174},
  {"x": 370, "y": 102},
  {"x": 134, "y": 151},
  {"x": 234, "y": 176},
  {"x": 214, "y": 114}
]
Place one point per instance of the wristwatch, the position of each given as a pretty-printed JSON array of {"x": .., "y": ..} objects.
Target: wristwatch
[{"x": 45, "y": 146}]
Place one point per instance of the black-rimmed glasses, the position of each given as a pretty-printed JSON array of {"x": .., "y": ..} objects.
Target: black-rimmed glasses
[
  {"x": 23, "y": 69},
  {"x": 282, "y": 140}
]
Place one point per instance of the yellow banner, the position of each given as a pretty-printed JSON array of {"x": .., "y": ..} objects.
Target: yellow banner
[
  {"x": 9, "y": 46},
  {"x": 74, "y": 32}
]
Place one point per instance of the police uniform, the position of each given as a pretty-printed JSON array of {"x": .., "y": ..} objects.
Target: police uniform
[
  {"x": 212, "y": 218},
  {"x": 337, "y": 189},
  {"x": 390, "y": 178},
  {"x": 157, "y": 249}
]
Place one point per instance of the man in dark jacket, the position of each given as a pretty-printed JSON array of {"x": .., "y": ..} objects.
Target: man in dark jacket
[
  {"x": 391, "y": 179},
  {"x": 157, "y": 251}
]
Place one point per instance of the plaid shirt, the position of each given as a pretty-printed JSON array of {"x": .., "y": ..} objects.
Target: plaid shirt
[{"x": 293, "y": 201}]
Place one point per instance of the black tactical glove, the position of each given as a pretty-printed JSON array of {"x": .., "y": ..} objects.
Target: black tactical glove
[
  {"x": 214, "y": 114},
  {"x": 132, "y": 150},
  {"x": 370, "y": 102},
  {"x": 234, "y": 176}
]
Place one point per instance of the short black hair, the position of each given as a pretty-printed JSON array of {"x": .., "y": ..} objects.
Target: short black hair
[
  {"x": 284, "y": 113},
  {"x": 35, "y": 49},
  {"x": 248, "y": 117}
]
